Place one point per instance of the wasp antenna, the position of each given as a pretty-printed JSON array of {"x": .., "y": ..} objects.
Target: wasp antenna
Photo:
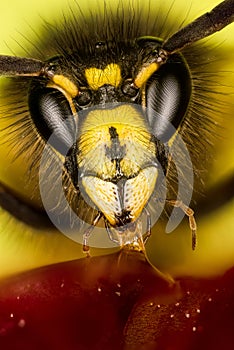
[
  {"x": 11, "y": 66},
  {"x": 203, "y": 26}
]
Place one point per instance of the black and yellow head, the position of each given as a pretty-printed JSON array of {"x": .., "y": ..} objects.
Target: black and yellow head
[
  {"x": 112, "y": 118},
  {"x": 110, "y": 104}
]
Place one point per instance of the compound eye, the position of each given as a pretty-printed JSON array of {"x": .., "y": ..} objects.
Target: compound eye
[
  {"x": 53, "y": 118},
  {"x": 168, "y": 93},
  {"x": 84, "y": 98}
]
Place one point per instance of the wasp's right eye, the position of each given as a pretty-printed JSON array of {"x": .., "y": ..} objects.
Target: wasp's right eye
[{"x": 53, "y": 118}]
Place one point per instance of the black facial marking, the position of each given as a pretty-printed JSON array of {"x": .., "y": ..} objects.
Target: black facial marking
[
  {"x": 116, "y": 152},
  {"x": 113, "y": 133}
]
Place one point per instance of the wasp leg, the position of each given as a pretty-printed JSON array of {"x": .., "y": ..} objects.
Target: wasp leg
[
  {"x": 88, "y": 233},
  {"x": 110, "y": 233},
  {"x": 190, "y": 213},
  {"x": 148, "y": 227}
]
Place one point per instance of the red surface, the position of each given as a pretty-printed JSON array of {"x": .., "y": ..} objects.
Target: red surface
[{"x": 117, "y": 301}]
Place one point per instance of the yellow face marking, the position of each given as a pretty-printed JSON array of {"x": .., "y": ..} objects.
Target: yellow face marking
[
  {"x": 113, "y": 197},
  {"x": 66, "y": 85},
  {"x": 138, "y": 190},
  {"x": 135, "y": 194},
  {"x": 133, "y": 134},
  {"x": 105, "y": 195},
  {"x": 144, "y": 74},
  {"x": 96, "y": 78}
]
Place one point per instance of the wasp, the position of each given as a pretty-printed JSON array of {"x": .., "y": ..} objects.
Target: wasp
[{"x": 109, "y": 112}]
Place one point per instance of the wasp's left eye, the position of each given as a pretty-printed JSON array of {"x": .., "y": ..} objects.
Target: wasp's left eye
[
  {"x": 52, "y": 116},
  {"x": 168, "y": 93}
]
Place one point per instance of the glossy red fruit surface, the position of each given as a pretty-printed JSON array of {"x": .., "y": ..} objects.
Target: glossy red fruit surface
[{"x": 117, "y": 301}]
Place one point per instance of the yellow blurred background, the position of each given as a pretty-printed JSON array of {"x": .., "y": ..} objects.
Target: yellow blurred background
[{"x": 22, "y": 247}]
